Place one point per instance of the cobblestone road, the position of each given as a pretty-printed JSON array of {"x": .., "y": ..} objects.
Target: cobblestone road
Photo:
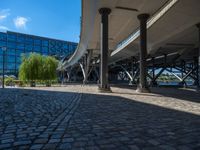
[{"x": 42, "y": 119}]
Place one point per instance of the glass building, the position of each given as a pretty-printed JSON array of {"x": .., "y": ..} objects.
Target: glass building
[{"x": 16, "y": 44}]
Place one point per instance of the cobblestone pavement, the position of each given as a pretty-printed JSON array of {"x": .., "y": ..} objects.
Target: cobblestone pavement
[{"x": 49, "y": 118}]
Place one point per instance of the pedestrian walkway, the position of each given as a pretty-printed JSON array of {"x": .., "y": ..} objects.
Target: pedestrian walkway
[{"x": 78, "y": 117}]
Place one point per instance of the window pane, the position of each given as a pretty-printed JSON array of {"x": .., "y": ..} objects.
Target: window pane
[
  {"x": 11, "y": 37},
  {"x": 45, "y": 43},
  {"x": 1, "y": 58},
  {"x": 36, "y": 48},
  {"x": 3, "y": 36},
  {"x": 10, "y": 51},
  {"x": 10, "y": 59},
  {"x": 2, "y": 44},
  {"x": 44, "y": 49},
  {"x": 10, "y": 66},
  {"x": 19, "y": 52},
  {"x": 37, "y": 42},
  {"x": 29, "y": 48},
  {"x": 21, "y": 39},
  {"x": 18, "y": 59},
  {"x": 11, "y": 45},
  {"x": 20, "y": 46},
  {"x": 17, "y": 66},
  {"x": 29, "y": 40}
]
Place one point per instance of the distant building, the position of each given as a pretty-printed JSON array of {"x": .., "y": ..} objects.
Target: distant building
[{"x": 17, "y": 43}]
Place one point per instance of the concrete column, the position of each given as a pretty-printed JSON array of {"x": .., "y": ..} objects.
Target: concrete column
[
  {"x": 198, "y": 68},
  {"x": 143, "y": 87},
  {"x": 104, "y": 87}
]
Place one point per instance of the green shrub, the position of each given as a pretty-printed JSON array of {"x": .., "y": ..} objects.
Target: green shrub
[
  {"x": 19, "y": 83},
  {"x": 9, "y": 81}
]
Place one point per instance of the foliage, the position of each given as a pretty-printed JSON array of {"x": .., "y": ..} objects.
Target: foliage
[
  {"x": 19, "y": 83},
  {"x": 36, "y": 67},
  {"x": 9, "y": 81}
]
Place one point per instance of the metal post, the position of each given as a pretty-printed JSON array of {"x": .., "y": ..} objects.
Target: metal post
[
  {"x": 4, "y": 50},
  {"x": 104, "y": 87},
  {"x": 198, "y": 61},
  {"x": 143, "y": 87},
  {"x": 153, "y": 82}
]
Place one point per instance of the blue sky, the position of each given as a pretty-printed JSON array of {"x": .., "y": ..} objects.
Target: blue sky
[{"x": 58, "y": 19}]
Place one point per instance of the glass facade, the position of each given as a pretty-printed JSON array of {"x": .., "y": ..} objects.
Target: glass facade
[{"x": 17, "y": 44}]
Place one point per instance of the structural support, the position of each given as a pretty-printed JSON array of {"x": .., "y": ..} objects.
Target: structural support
[
  {"x": 198, "y": 62},
  {"x": 82, "y": 69},
  {"x": 3, "y": 69},
  {"x": 143, "y": 87},
  {"x": 87, "y": 66},
  {"x": 104, "y": 87},
  {"x": 153, "y": 82}
]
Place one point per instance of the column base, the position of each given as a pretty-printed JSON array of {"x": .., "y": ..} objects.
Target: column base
[
  {"x": 143, "y": 90},
  {"x": 104, "y": 89},
  {"x": 130, "y": 83},
  {"x": 85, "y": 81},
  {"x": 182, "y": 84}
]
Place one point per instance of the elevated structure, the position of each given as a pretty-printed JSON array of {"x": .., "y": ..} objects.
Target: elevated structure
[{"x": 171, "y": 43}]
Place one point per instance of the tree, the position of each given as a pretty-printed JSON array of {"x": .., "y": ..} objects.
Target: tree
[
  {"x": 49, "y": 69},
  {"x": 37, "y": 67}
]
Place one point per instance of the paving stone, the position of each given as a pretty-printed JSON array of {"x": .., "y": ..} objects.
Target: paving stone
[
  {"x": 5, "y": 146},
  {"x": 18, "y": 143},
  {"x": 54, "y": 140},
  {"x": 65, "y": 146},
  {"x": 50, "y": 146},
  {"x": 67, "y": 140},
  {"x": 7, "y": 141},
  {"x": 36, "y": 146},
  {"x": 61, "y": 120},
  {"x": 133, "y": 147},
  {"x": 153, "y": 142},
  {"x": 41, "y": 141},
  {"x": 167, "y": 147},
  {"x": 25, "y": 147}
]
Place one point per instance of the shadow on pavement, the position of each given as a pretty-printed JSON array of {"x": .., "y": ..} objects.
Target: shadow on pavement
[{"x": 57, "y": 120}]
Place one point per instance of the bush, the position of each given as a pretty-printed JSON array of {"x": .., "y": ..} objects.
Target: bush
[
  {"x": 9, "y": 81},
  {"x": 19, "y": 83}
]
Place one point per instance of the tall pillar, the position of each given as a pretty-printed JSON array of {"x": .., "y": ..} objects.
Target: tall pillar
[
  {"x": 198, "y": 68},
  {"x": 104, "y": 87},
  {"x": 143, "y": 87}
]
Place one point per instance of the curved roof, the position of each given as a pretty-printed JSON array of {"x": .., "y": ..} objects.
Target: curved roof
[
  {"x": 171, "y": 27},
  {"x": 87, "y": 25}
]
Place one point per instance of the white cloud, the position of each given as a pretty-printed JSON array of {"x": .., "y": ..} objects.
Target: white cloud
[
  {"x": 4, "y": 28},
  {"x": 4, "y": 13},
  {"x": 20, "y": 22}
]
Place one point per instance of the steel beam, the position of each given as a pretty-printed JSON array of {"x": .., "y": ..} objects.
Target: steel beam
[
  {"x": 87, "y": 66},
  {"x": 153, "y": 82},
  {"x": 82, "y": 69},
  {"x": 198, "y": 68}
]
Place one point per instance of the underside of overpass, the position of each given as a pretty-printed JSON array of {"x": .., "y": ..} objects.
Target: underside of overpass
[{"x": 135, "y": 41}]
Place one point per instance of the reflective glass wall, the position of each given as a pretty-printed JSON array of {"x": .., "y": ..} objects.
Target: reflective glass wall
[{"x": 17, "y": 44}]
